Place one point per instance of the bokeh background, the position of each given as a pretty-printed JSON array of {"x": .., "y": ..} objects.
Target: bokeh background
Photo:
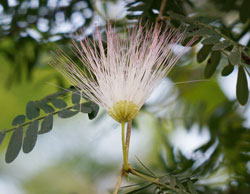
[{"x": 190, "y": 125}]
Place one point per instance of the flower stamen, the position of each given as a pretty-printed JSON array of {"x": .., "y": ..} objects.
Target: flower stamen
[{"x": 123, "y": 111}]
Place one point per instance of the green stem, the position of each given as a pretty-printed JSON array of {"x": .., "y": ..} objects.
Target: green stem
[{"x": 124, "y": 148}]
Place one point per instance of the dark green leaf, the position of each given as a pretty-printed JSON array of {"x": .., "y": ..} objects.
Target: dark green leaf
[
  {"x": 242, "y": 86},
  {"x": 221, "y": 45},
  {"x": 32, "y": 110},
  {"x": 67, "y": 113},
  {"x": 227, "y": 70},
  {"x": 203, "y": 53},
  {"x": 30, "y": 137},
  {"x": 211, "y": 40},
  {"x": 244, "y": 11},
  {"x": 18, "y": 120},
  {"x": 95, "y": 110},
  {"x": 203, "y": 32},
  {"x": 191, "y": 40},
  {"x": 15, "y": 145},
  {"x": 234, "y": 57},
  {"x": 2, "y": 135},
  {"x": 191, "y": 187},
  {"x": 58, "y": 103},
  {"x": 47, "y": 108},
  {"x": 47, "y": 124},
  {"x": 76, "y": 97},
  {"x": 86, "y": 107},
  {"x": 212, "y": 64}
]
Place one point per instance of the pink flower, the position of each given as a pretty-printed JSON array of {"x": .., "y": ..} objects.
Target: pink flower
[{"x": 120, "y": 73}]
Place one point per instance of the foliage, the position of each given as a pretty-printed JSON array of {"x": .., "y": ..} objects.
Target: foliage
[{"x": 26, "y": 127}]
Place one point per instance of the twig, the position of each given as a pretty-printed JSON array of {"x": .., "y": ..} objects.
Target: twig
[
  {"x": 118, "y": 183},
  {"x": 162, "y": 8},
  {"x": 36, "y": 119}
]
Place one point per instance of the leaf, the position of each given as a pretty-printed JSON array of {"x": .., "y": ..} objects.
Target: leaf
[
  {"x": 204, "y": 32},
  {"x": 203, "y": 53},
  {"x": 18, "y": 120},
  {"x": 242, "y": 86},
  {"x": 191, "y": 187},
  {"x": 32, "y": 111},
  {"x": 67, "y": 113},
  {"x": 94, "y": 107},
  {"x": 212, "y": 64},
  {"x": 58, "y": 103},
  {"x": 227, "y": 70},
  {"x": 244, "y": 11},
  {"x": 234, "y": 57},
  {"x": 47, "y": 124},
  {"x": 15, "y": 145},
  {"x": 46, "y": 108},
  {"x": 191, "y": 40},
  {"x": 211, "y": 40},
  {"x": 30, "y": 137},
  {"x": 221, "y": 45},
  {"x": 76, "y": 97},
  {"x": 2, "y": 135}
]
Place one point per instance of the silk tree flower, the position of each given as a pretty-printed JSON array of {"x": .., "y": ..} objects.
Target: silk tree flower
[{"x": 121, "y": 72}]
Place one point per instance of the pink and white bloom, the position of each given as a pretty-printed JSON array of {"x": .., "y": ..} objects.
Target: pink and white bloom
[{"x": 120, "y": 73}]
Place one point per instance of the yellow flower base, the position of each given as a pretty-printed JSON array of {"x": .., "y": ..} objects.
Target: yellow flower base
[{"x": 123, "y": 111}]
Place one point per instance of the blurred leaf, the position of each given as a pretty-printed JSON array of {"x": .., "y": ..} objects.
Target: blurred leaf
[
  {"x": 191, "y": 187},
  {"x": 210, "y": 40},
  {"x": 221, "y": 45},
  {"x": 30, "y": 137},
  {"x": 47, "y": 124},
  {"x": 18, "y": 120},
  {"x": 203, "y": 53},
  {"x": 242, "y": 86},
  {"x": 15, "y": 145},
  {"x": 32, "y": 111},
  {"x": 212, "y": 64},
  {"x": 234, "y": 57},
  {"x": 244, "y": 11},
  {"x": 227, "y": 70}
]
